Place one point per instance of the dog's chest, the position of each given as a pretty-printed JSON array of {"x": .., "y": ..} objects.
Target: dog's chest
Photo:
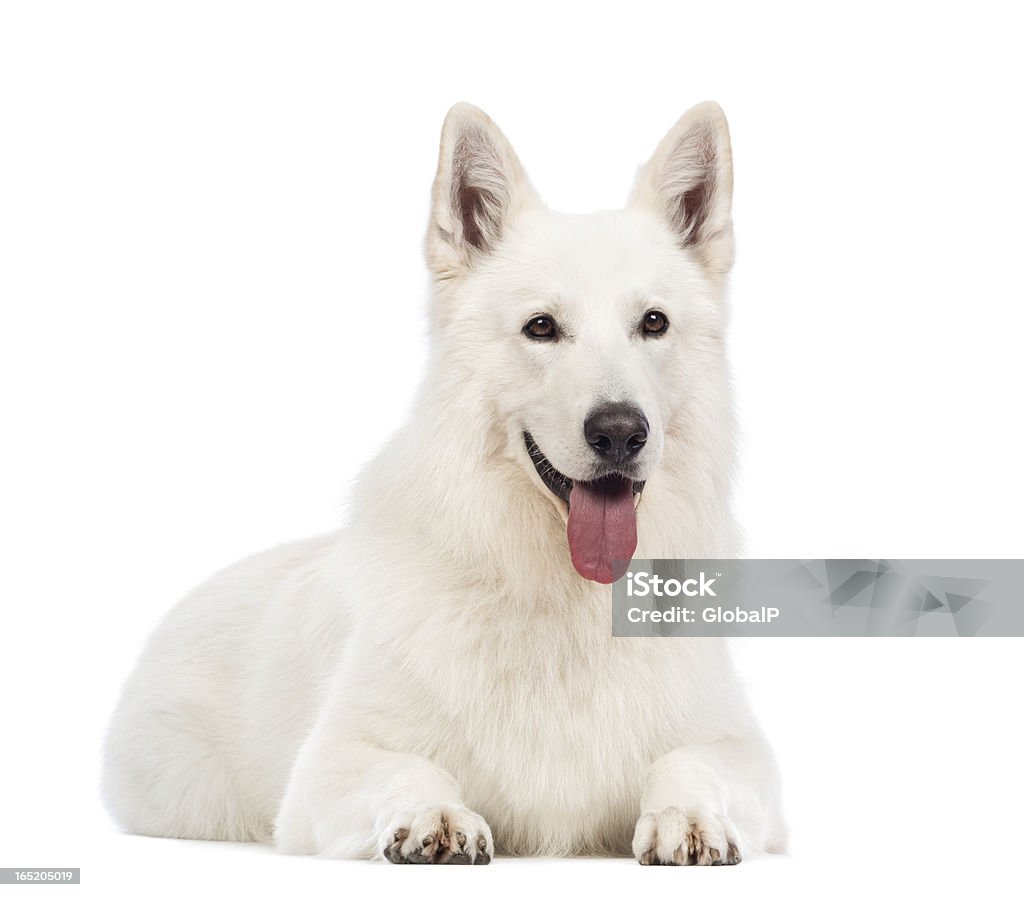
[{"x": 550, "y": 729}]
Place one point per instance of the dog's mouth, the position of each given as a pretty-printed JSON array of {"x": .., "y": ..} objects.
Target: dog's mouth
[{"x": 602, "y": 516}]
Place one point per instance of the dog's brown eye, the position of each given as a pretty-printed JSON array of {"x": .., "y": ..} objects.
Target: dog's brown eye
[
  {"x": 655, "y": 323},
  {"x": 541, "y": 327}
]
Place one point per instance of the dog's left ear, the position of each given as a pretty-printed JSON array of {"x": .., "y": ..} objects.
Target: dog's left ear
[
  {"x": 689, "y": 181},
  {"x": 479, "y": 188}
]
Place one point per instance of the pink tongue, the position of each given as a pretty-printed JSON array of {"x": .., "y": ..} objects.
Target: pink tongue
[{"x": 602, "y": 528}]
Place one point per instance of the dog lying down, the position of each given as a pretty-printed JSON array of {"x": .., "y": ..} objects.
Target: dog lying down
[{"x": 437, "y": 682}]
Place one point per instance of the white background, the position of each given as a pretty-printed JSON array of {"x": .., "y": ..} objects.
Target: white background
[{"x": 212, "y": 313}]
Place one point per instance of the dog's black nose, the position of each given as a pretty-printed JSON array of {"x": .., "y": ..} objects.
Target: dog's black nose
[{"x": 616, "y": 431}]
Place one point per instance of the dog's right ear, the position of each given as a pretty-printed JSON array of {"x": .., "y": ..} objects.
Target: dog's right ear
[{"x": 480, "y": 185}]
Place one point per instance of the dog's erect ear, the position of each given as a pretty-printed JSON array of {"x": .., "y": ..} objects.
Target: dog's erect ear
[
  {"x": 480, "y": 186},
  {"x": 689, "y": 181}
]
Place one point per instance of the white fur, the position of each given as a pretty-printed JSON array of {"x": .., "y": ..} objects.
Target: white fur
[{"x": 441, "y": 653}]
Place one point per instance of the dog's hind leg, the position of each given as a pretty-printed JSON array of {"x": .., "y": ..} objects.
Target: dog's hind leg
[
  {"x": 352, "y": 800},
  {"x": 166, "y": 774}
]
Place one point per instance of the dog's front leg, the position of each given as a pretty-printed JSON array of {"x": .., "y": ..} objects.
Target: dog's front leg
[
  {"x": 703, "y": 804},
  {"x": 351, "y": 800}
]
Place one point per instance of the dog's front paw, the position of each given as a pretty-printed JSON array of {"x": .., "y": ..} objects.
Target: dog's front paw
[
  {"x": 691, "y": 837},
  {"x": 437, "y": 833}
]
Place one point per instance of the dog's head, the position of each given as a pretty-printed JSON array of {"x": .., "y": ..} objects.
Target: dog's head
[{"x": 590, "y": 340}]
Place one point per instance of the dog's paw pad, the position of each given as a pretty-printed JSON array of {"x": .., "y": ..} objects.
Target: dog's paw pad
[
  {"x": 436, "y": 834},
  {"x": 691, "y": 837}
]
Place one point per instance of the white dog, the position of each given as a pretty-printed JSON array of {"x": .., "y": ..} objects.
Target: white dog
[{"x": 439, "y": 681}]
